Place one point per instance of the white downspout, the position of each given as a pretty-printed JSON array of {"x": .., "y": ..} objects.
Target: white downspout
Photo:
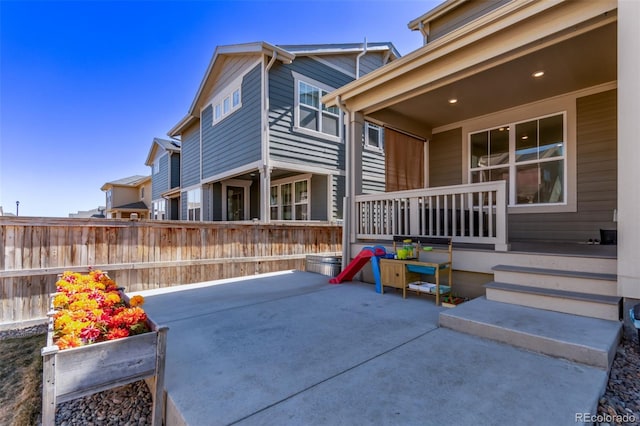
[
  {"x": 346, "y": 203},
  {"x": 266, "y": 166},
  {"x": 360, "y": 55},
  {"x": 425, "y": 33}
]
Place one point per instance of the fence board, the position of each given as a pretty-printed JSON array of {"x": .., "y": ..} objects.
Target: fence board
[{"x": 144, "y": 254}]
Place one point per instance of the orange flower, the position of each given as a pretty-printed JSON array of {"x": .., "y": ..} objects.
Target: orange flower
[
  {"x": 117, "y": 333},
  {"x": 136, "y": 300},
  {"x": 66, "y": 342}
]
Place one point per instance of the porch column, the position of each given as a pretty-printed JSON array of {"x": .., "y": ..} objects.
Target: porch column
[
  {"x": 628, "y": 149},
  {"x": 354, "y": 167},
  {"x": 265, "y": 193}
]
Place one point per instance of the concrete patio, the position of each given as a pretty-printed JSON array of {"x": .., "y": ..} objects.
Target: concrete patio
[{"x": 291, "y": 349}]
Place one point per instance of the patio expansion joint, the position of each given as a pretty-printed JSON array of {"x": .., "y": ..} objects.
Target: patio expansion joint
[{"x": 338, "y": 374}]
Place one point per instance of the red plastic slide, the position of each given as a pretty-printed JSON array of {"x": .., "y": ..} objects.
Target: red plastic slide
[{"x": 355, "y": 265}]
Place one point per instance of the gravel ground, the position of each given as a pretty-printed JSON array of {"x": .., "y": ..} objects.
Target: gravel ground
[{"x": 131, "y": 404}]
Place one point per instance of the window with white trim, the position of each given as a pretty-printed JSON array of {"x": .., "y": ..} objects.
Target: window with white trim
[
  {"x": 530, "y": 155},
  {"x": 373, "y": 136},
  {"x": 194, "y": 204},
  {"x": 226, "y": 104},
  {"x": 156, "y": 166},
  {"x": 290, "y": 200},
  {"x": 159, "y": 210},
  {"x": 314, "y": 115}
]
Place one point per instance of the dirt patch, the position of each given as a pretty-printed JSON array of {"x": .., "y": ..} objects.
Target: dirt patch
[{"x": 21, "y": 380}]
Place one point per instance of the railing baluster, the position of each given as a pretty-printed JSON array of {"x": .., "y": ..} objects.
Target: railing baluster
[{"x": 490, "y": 213}]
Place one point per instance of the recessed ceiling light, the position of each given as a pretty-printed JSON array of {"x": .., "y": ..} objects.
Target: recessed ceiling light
[
  {"x": 453, "y": 100},
  {"x": 525, "y": 137},
  {"x": 538, "y": 74}
]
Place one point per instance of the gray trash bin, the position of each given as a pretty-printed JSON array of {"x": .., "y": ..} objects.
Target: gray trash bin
[{"x": 325, "y": 265}]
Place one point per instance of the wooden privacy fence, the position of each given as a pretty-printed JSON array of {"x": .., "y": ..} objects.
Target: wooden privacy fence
[{"x": 145, "y": 255}]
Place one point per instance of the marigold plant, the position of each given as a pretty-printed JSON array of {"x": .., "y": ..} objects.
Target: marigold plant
[{"x": 89, "y": 309}]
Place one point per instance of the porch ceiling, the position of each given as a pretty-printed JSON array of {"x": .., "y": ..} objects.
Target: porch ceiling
[{"x": 583, "y": 61}]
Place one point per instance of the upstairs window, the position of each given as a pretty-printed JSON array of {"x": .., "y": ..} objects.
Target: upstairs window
[
  {"x": 156, "y": 166},
  {"x": 530, "y": 156},
  {"x": 227, "y": 103},
  {"x": 314, "y": 115}
]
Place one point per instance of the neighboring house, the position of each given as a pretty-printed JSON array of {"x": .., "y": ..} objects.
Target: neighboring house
[
  {"x": 519, "y": 132},
  {"x": 257, "y": 143},
  {"x": 164, "y": 160},
  {"x": 127, "y": 196},
  {"x": 97, "y": 213}
]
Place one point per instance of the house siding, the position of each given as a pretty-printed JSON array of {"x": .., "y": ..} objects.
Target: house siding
[
  {"x": 235, "y": 140},
  {"x": 445, "y": 158},
  {"x": 319, "y": 197},
  {"x": 461, "y": 16},
  {"x": 190, "y": 156},
  {"x": 286, "y": 144},
  {"x": 596, "y": 179},
  {"x": 373, "y": 171},
  {"x": 160, "y": 180},
  {"x": 175, "y": 170}
]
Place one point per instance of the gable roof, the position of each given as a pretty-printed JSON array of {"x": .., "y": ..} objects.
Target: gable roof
[
  {"x": 131, "y": 181},
  {"x": 171, "y": 145},
  {"x": 284, "y": 53}
]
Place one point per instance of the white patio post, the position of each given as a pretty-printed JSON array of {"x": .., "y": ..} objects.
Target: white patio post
[
  {"x": 354, "y": 168},
  {"x": 628, "y": 149}
]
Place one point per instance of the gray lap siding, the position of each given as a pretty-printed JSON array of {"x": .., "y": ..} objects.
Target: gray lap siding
[
  {"x": 235, "y": 140},
  {"x": 190, "y": 155},
  {"x": 287, "y": 144},
  {"x": 160, "y": 180}
]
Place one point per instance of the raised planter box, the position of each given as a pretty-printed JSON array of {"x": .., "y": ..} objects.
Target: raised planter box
[{"x": 76, "y": 372}]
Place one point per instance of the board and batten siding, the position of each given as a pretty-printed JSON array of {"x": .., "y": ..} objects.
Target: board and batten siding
[
  {"x": 445, "y": 158},
  {"x": 190, "y": 156},
  {"x": 236, "y": 139},
  {"x": 286, "y": 144},
  {"x": 596, "y": 179},
  {"x": 160, "y": 180}
]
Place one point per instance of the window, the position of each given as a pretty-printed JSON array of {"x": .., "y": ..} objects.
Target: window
[
  {"x": 373, "y": 136},
  {"x": 235, "y": 100},
  {"x": 142, "y": 193},
  {"x": 227, "y": 103},
  {"x": 109, "y": 195},
  {"x": 290, "y": 200},
  {"x": 312, "y": 114},
  {"x": 155, "y": 168},
  {"x": 159, "y": 210},
  {"x": 529, "y": 155},
  {"x": 194, "y": 204}
]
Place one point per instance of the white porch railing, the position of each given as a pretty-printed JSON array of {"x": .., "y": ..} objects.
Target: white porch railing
[{"x": 474, "y": 213}]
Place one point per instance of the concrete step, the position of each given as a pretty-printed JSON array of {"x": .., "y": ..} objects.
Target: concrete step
[
  {"x": 569, "y": 280},
  {"x": 589, "y": 341},
  {"x": 570, "y": 302}
]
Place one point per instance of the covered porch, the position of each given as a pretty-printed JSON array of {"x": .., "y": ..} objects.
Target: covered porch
[{"x": 499, "y": 132}]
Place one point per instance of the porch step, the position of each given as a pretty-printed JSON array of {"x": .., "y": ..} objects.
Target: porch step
[
  {"x": 570, "y": 302},
  {"x": 585, "y": 340},
  {"x": 569, "y": 280}
]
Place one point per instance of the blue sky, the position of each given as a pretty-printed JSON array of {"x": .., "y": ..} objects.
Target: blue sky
[{"x": 85, "y": 86}]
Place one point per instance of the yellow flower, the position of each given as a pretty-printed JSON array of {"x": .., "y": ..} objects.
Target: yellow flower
[
  {"x": 60, "y": 301},
  {"x": 136, "y": 300}
]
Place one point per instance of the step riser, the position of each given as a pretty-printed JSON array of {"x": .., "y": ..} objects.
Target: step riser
[
  {"x": 596, "y": 358},
  {"x": 568, "y": 306},
  {"x": 580, "y": 285}
]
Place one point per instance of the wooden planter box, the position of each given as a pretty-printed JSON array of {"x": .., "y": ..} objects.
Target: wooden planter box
[
  {"x": 76, "y": 372},
  {"x": 456, "y": 301}
]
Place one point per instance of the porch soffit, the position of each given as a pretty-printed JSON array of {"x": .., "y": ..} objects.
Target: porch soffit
[{"x": 517, "y": 37}]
